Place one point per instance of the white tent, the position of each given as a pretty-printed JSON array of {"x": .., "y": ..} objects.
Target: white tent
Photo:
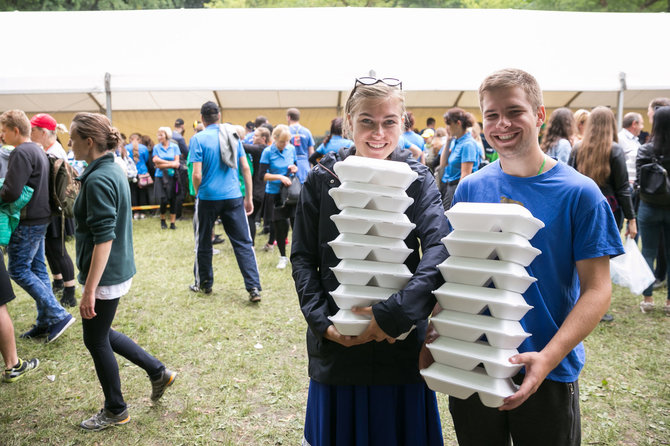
[{"x": 277, "y": 58}]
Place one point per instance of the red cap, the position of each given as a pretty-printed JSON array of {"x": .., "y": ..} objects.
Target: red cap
[{"x": 44, "y": 121}]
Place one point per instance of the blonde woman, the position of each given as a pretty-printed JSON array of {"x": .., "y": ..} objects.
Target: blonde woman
[{"x": 166, "y": 159}]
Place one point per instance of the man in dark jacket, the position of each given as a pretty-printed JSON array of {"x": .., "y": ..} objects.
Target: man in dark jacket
[{"x": 28, "y": 166}]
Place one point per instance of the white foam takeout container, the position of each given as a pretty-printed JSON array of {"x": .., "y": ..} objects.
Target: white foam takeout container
[
  {"x": 468, "y": 355},
  {"x": 505, "y": 246},
  {"x": 494, "y": 217},
  {"x": 370, "y": 247},
  {"x": 349, "y": 323},
  {"x": 502, "y": 304},
  {"x": 370, "y": 196},
  {"x": 366, "y": 272},
  {"x": 500, "y": 333},
  {"x": 347, "y": 296},
  {"x": 371, "y": 222},
  {"x": 374, "y": 171},
  {"x": 462, "y": 383},
  {"x": 480, "y": 272}
]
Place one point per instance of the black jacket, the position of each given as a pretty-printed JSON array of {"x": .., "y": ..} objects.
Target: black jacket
[
  {"x": 256, "y": 151},
  {"x": 645, "y": 155},
  {"x": 28, "y": 165},
  {"x": 312, "y": 258},
  {"x": 617, "y": 184}
]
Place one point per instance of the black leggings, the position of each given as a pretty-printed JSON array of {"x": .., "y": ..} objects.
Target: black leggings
[
  {"x": 102, "y": 342},
  {"x": 171, "y": 201},
  {"x": 58, "y": 258},
  {"x": 282, "y": 216}
]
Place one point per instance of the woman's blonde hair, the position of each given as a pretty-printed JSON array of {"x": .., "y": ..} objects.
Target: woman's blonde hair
[
  {"x": 593, "y": 155},
  {"x": 279, "y": 131},
  {"x": 376, "y": 92}
]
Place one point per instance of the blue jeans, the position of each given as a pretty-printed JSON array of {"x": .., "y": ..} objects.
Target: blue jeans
[
  {"x": 25, "y": 264},
  {"x": 234, "y": 221},
  {"x": 651, "y": 220}
]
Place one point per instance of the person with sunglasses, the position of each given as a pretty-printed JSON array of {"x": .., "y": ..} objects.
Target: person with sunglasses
[{"x": 366, "y": 389}]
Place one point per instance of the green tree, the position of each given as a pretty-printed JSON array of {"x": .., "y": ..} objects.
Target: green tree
[{"x": 95, "y": 5}]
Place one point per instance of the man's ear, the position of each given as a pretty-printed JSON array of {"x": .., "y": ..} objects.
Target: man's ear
[{"x": 541, "y": 115}]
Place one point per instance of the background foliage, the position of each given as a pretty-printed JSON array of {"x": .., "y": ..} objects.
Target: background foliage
[{"x": 555, "y": 5}]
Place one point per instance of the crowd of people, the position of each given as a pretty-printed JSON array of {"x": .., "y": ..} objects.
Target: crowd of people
[{"x": 271, "y": 178}]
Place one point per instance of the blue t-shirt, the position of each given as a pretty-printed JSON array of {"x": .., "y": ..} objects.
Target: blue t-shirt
[
  {"x": 561, "y": 150},
  {"x": 278, "y": 162},
  {"x": 249, "y": 139},
  {"x": 463, "y": 150},
  {"x": 415, "y": 139},
  {"x": 578, "y": 225},
  {"x": 302, "y": 140},
  {"x": 144, "y": 157},
  {"x": 167, "y": 155},
  {"x": 219, "y": 182},
  {"x": 336, "y": 143}
]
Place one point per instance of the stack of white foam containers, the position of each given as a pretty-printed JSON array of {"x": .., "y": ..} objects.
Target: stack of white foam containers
[
  {"x": 373, "y": 226},
  {"x": 489, "y": 245}
]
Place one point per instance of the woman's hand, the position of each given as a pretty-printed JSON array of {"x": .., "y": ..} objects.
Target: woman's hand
[
  {"x": 631, "y": 228},
  {"x": 425, "y": 356},
  {"x": 292, "y": 168},
  {"x": 87, "y": 305},
  {"x": 286, "y": 181},
  {"x": 333, "y": 335},
  {"x": 373, "y": 331}
]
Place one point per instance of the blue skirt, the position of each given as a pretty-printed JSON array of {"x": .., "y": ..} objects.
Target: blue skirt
[{"x": 391, "y": 415}]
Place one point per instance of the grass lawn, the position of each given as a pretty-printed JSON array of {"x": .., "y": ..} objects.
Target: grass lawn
[{"x": 243, "y": 367}]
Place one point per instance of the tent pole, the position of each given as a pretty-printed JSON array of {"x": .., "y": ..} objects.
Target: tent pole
[
  {"x": 619, "y": 113},
  {"x": 108, "y": 94}
]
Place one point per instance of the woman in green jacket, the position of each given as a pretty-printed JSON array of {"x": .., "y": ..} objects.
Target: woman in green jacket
[{"x": 104, "y": 245}]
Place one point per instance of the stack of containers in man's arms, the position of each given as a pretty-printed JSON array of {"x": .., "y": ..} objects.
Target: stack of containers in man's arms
[
  {"x": 482, "y": 303},
  {"x": 373, "y": 227}
]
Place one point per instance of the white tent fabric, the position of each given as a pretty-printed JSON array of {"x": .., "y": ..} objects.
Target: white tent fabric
[{"x": 277, "y": 58}]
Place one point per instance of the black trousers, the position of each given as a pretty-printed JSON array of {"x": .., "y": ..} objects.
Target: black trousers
[
  {"x": 102, "y": 342},
  {"x": 550, "y": 417},
  {"x": 58, "y": 258}
]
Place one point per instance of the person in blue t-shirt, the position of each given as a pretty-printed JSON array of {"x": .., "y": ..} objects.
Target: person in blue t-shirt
[
  {"x": 166, "y": 158},
  {"x": 462, "y": 156},
  {"x": 302, "y": 140},
  {"x": 278, "y": 165},
  {"x": 140, "y": 153},
  {"x": 217, "y": 187},
  {"x": 332, "y": 143},
  {"x": 411, "y": 136},
  {"x": 573, "y": 288}
]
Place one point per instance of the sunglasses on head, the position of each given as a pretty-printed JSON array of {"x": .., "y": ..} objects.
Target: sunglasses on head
[{"x": 366, "y": 80}]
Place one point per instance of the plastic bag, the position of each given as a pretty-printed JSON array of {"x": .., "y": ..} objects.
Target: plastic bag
[{"x": 630, "y": 270}]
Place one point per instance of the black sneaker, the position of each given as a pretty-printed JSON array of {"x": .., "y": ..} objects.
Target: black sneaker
[
  {"x": 254, "y": 295},
  {"x": 607, "y": 318},
  {"x": 17, "y": 372},
  {"x": 196, "y": 289},
  {"x": 218, "y": 239},
  {"x": 172, "y": 226},
  {"x": 104, "y": 419},
  {"x": 68, "y": 299},
  {"x": 163, "y": 224},
  {"x": 35, "y": 332},
  {"x": 158, "y": 386},
  {"x": 57, "y": 286},
  {"x": 59, "y": 328}
]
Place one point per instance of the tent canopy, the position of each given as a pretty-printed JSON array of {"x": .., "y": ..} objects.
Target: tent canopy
[{"x": 278, "y": 58}]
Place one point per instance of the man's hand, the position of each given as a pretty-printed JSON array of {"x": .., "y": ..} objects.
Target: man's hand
[{"x": 537, "y": 369}]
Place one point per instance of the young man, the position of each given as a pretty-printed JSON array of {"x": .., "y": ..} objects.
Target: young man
[
  {"x": 28, "y": 166},
  {"x": 302, "y": 140},
  {"x": 573, "y": 290},
  {"x": 217, "y": 189}
]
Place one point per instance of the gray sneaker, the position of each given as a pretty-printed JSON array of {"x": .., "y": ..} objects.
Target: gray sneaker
[
  {"x": 17, "y": 372},
  {"x": 104, "y": 419},
  {"x": 158, "y": 386}
]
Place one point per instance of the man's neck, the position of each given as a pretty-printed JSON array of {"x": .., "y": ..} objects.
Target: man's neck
[{"x": 528, "y": 165}]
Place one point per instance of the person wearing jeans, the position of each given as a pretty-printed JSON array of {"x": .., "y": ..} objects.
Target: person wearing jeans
[{"x": 28, "y": 166}]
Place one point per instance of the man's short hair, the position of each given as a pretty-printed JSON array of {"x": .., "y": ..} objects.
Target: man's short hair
[
  {"x": 293, "y": 114},
  {"x": 260, "y": 120},
  {"x": 268, "y": 126},
  {"x": 511, "y": 78},
  {"x": 659, "y": 102},
  {"x": 179, "y": 123},
  {"x": 249, "y": 126},
  {"x": 264, "y": 133},
  {"x": 16, "y": 119},
  {"x": 630, "y": 118},
  {"x": 209, "y": 112},
  {"x": 430, "y": 121}
]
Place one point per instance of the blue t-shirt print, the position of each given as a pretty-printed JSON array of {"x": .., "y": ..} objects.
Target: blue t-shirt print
[{"x": 278, "y": 162}]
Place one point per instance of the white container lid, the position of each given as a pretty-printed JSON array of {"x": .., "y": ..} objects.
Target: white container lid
[
  {"x": 374, "y": 171},
  {"x": 468, "y": 355},
  {"x": 462, "y": 383},
  {"x": 370, "y": 247},
  {"x": 348, "y": 323},
  {"x": 480, "y": 272},
  {"x": 505, "y": 246},
  {"x": 370, "y": 196},
  {"x": 500, "y": 333},
  {"x": 494, "y": 217},
  {"x": 366, "y": 272},
  {"x": 502, "y": 304},
  {"x": 347, "y": 296},
  {"x": 371, "y": 222}
]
